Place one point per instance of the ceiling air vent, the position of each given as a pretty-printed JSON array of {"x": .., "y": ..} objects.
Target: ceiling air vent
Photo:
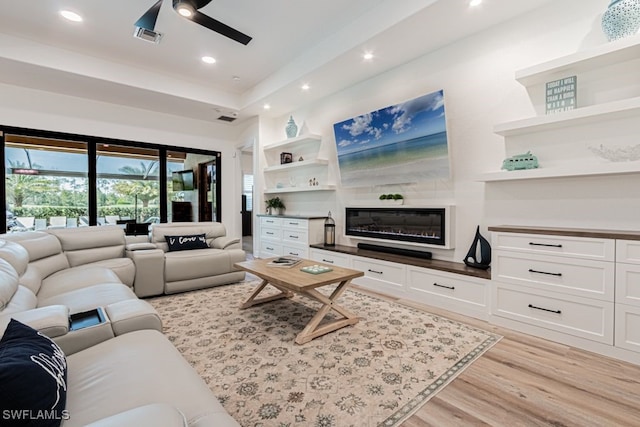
[
  {"x": 227, "y": 118},
  {"x": 147, "y": 35}
]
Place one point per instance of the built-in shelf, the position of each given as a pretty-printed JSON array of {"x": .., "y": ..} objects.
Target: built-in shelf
[
  {"x": 608, "y": 111},
  {"x": 295, "y": 165},
  {"x": 564, "y": 172},
  {"x": 626, "y": 49},
  {"x": 291, "y": 142},
  {"x": 300, "y": 189}
]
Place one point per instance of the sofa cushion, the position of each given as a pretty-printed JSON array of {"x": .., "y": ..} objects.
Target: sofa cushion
[
  {"x": 85, "y": 245},
  {"x": 186, "y": 265},
  {"x": 186, "y": 242},
  {"x": 91, "y": 297},
  {"x": 15, "y": 254},
  {"x": 33, "y": 376},
  {"x": 136, "y": 369},
  {"x": 124, "y": 268},
  {"x": 72, "y": 279},
  {"x": 8, "y": 283},
  {"x": 22, "y": 300}
]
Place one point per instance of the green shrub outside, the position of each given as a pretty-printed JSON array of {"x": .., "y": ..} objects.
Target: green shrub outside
[{"x": 75, "y": 212}]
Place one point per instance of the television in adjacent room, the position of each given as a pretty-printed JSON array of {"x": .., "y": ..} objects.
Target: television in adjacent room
[{"x": 183, "y": 180}]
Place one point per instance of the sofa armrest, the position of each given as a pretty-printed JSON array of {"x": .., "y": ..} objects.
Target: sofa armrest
[
  {"x": 52, "y": 321},
  {"x": 155, "y": 414},
  {"x": 149, "y": 277},
  {"x": 140, "y": 246},
  {"x": 225, "y": 242}
]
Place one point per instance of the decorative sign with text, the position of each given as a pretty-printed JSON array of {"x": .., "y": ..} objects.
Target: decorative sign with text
[{"x": 561, "y": 95}]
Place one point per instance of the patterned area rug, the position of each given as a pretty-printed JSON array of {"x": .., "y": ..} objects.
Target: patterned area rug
[{"x": 377, "y": 372}]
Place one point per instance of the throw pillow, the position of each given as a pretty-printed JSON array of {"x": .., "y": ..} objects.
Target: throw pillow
[
  {"x": 185, "y": 243},
  {"x": 33, "y": 378}
]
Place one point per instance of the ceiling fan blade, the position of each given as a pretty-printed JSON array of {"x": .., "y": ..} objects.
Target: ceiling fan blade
[
  {"x": 219, "y": 27},
  {"x": 148, "y": 20}
]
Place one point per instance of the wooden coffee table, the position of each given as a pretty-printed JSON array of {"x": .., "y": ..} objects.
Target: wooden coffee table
[{"x": 290, "y": 281}]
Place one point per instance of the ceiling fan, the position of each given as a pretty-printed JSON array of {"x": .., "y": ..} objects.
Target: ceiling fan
[{"x": 190, "y": 10}]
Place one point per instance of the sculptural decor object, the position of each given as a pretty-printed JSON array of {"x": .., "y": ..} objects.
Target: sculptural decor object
[
  {"x": 621, "y": 19},
  {"x": 482, "y": 247},
  {"x": 520, "y": 161}
]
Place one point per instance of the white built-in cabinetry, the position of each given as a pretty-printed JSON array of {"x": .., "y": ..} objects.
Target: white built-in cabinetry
[
  {"x": 430, "y": 282},
  {"x": 608, "y": 116},
  {"x": 579, "y": 287},
  {"x": 627, "y": 334},
  {"x": 298, "y": 175},
  {"x": 289, "y": 235}
]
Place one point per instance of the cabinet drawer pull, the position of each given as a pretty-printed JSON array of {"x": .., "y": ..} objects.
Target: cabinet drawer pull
[
  {"x": 545, "y": 309},
  {"x": 545, "y": 244},
  {"x": 293, "y": 223},
  {"x": 294, "y": 237},
  {"x": 544, "y": 272},
  {"x": 270, "y": 233},
  {"x": 374, "y": 271},
  {"x": 327, "y": 260},
  {"x": 444, "y": 286},
  {"x": 294, "y": 254},
  {"x": 269, "y": 221},
  {"x": 269, "y": 249}
]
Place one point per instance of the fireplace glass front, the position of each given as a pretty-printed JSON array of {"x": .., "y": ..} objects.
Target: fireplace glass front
[{"x": 417, "y": 225}]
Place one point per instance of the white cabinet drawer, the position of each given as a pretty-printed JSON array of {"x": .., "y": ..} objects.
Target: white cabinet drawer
[
  {"x": 436, "y": 287},
  {"x": 294, "y": 250},
  {"x": 628, "y": 251},
  {"x": 270, "y": 233},
  {"x": 582, "y": 317},
  {"x": 331, "y": 258},
  {"x": 628, "y": 284},
  {"x": 273, "y": 222},
  {"x": 295, "y": 223},
  {"x": 295, "y": 236},
  {"x": 588, "y": 278},
  {"x": 270, "y": 249},
  {"x": 628, "y": 327},
  {"x": 380, "y": 275},
  {"x": 580, "y": 247}
]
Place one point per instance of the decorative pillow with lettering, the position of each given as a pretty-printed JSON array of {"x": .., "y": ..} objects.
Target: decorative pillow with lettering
[
  {"x": 185, "y": 243},
  {"x": 33, "y": 378}
]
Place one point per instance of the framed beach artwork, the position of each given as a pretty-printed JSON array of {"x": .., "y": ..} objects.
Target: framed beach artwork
[{"x": 403, "y": 143}]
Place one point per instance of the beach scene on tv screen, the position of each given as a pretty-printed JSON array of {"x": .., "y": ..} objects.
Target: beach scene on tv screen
[{"x": 398, "y": 144}]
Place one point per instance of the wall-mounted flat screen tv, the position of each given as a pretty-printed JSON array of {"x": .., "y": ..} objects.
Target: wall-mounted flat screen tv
[
  {"x": 402, "y": 143},
  {"x": 183, "y": 180}
]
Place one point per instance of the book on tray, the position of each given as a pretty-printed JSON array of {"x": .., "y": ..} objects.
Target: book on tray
[{"x": 284, "y": 261}]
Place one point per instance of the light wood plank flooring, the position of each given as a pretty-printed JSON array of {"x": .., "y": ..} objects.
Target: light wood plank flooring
[{"x": 528, "y": 381}]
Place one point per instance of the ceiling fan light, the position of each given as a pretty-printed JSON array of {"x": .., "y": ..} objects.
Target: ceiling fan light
[{"x": 184, "y": 8}]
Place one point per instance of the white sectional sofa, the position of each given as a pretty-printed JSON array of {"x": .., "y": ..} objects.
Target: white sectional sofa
[{"x": 76, "y": 286}]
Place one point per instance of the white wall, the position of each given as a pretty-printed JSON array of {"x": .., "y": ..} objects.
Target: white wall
[
  {"x": 477, "y": 76},
  {"x": 27, "y": 108}
]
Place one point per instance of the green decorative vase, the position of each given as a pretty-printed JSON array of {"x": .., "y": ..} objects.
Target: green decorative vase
[
  {"x": 292, "y": 128},
  {"x": 621, "y": 19}
]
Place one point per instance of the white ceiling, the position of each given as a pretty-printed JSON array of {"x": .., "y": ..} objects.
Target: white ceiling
[{"x": 318, "y": 42}]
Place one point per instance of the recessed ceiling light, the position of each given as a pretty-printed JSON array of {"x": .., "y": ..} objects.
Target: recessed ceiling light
[
  {"x": 368, "y": 56},
  {"x": 305, "y": 87},
  {"x": 209, "y": 59},
  {"x": 71, "y": 16},
  {"x": 266, "y": 106},
  {"x": 473, "y": 3},
  {"x": 235, "y": 78}
]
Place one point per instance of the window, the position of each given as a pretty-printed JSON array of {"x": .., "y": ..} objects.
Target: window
[
  {"x": 247, "y": 190},
  {"x": 53, "y": 179},
  {"x": 46, "y": 183},
  {"x": 127, "y": 183}
]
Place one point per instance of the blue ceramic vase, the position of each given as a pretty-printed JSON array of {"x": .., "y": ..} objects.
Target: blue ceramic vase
[
  {"x": 292, "y": 128},
  {"x": 621, "y": 19}
]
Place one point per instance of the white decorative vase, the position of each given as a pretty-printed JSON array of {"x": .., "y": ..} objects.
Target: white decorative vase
[
  {"x": 292, "y": 128},
  {"x": 621, "y": 19}
]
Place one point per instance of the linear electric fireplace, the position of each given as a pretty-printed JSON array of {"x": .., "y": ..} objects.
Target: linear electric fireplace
[{"x": 416, "y": 226}]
